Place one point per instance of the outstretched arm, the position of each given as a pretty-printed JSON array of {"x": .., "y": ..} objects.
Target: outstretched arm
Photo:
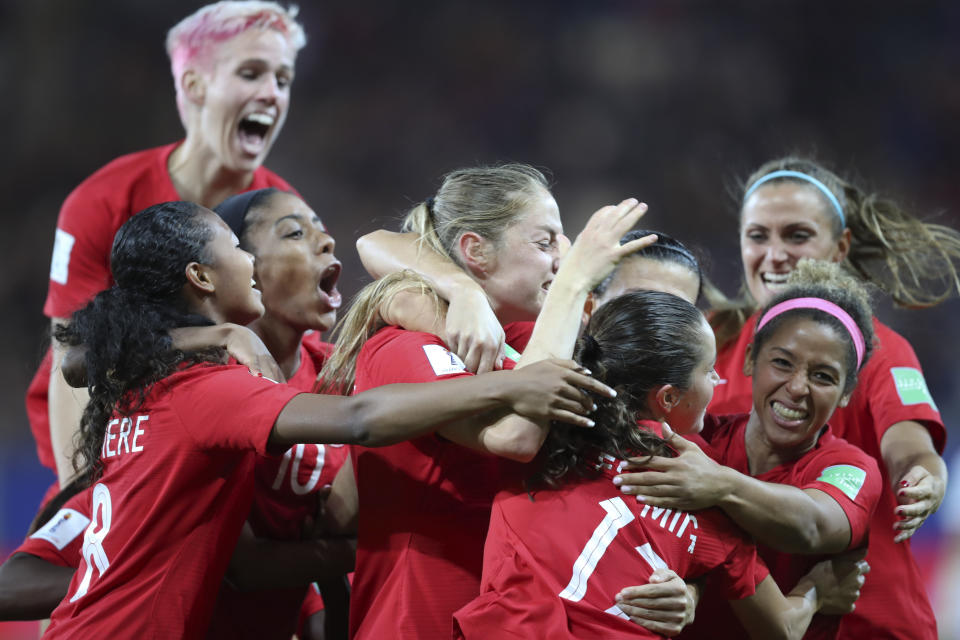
[
  {"x": 550, "y": 390},
  {"x": 918, "y": 474}
]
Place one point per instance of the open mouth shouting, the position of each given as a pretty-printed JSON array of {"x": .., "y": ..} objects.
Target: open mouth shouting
[
  {"x": 328, "y": 285},
  {"x": 254, "y": 132},
  {"x": 787, "y": 416}
]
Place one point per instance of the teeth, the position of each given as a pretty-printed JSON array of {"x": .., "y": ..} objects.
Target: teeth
[
  {"x": 261, "y": 118},
  {"x": 253, "y": 283},
  {"x": 788, "y": 413},
  {"x": 775, "y": 278}
]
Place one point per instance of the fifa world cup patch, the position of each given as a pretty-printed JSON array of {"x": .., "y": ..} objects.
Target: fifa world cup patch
[
  {"x": 845, "y": 477},
  {"x": 911, "y": 387},
  {"x": 62, "y": 528},
  {"x": 443, "y": 361}
]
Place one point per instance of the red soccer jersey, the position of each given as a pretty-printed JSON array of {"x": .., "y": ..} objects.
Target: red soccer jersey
[
  {"x": 424, "y": 504},
  {"x": 833, "y": 466},
  {"x": 59, "y": 541},
  {"x": 167, "y": 511},
  {"x": 554, "y": 561},
  {"x": 80, "y": 266},
  {"x": 285, "y": 494},
  {"x": 891, "y": 389}
]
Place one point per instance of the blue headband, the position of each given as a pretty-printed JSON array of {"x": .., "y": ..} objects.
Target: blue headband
[{"x": 805, "y": 178}]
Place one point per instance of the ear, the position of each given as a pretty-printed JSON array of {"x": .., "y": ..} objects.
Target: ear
[
  {"x": 198, "y": 278},
  {"x": 843, "y": 245},
  {"x": 748, "y": 361},
  {"x": 845, "y": 400},
  {"x": 193, "y": 86},
  {"x": 474, "y": 250},
  {"x": 666, "y": 397}
]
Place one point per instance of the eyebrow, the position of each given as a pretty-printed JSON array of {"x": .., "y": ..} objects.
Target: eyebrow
[{"x": 264, "y": 61}]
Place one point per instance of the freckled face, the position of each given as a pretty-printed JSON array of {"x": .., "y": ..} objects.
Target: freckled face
[
  {"x": 781, "y": 223},
  {"x": 296, "y": 268}
]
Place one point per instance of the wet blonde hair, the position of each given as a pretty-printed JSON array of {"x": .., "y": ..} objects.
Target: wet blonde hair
[{"x": 912, "y": 261}]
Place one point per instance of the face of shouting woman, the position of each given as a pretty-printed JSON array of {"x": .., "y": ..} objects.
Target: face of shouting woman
[{"x": 296, "y": 269}]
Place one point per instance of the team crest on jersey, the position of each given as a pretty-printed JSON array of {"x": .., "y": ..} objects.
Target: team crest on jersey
[
  {"x": 845, "y": 477},
  {"x": 911, "y": 386},
  {"x": 443, "y": 361},
  {"x": 62, "y": 528}
]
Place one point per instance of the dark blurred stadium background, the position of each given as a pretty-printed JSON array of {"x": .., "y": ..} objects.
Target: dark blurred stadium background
[{"x": 671, "y": 102}]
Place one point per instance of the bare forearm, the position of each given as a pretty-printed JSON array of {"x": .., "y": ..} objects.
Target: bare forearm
[
  {"x": 558, "y": 325},
  {"x": 385, "y": 415},
  {"x": 782, "y": 517},
  {"x": 384, "y": 252},
  {"x": 31, "y": 588}
]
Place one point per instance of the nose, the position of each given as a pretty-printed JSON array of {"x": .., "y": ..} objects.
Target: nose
[
  {"x": 798, "y": 384},
  {"x": 777, "y": 252},
  {"x": 325, "y": 243},
  {"x": 269, "y": 89}
]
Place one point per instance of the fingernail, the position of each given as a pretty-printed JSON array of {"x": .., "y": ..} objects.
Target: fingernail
[
  {"x": 594, "y": 407},
  {"x": 641, "y": 499},
  {"x": 591, "y": 423},
  {"x": 901, "y": 493},
  {"x": 618, "y": 481},
  {"x": 904, "y": 483},
  {"x": 625, "y": 490},
  {"x": 613, "y": 393},
  {"x": 587, "y": 371}
]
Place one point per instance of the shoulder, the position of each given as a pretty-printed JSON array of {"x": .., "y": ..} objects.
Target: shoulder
[
  {"x": 128, "y": 167},
  {"x": 396, "y": 355}
]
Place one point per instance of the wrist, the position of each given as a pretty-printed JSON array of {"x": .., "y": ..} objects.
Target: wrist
[{"x": 459, "y": 285}]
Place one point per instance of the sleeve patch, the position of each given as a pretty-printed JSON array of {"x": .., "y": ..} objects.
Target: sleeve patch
[
  {"x": 911, "y": 386},
  {"x": 443, "y": 361},
  {"x": 60, "y": 263},
  {"x": 62, "y": 528},
  {"x": 845, "y": 477}
]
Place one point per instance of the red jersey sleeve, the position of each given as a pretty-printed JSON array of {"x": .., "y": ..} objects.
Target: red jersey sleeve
[
  {"x": 852, "y": 478},
  {"x": 80, "y": 264},
  {"x": 59, "y": 541},
  {"x": 228, "y": 408},
  {"x": 893, "y": 389},
  {"x": 398, "y": 356}
]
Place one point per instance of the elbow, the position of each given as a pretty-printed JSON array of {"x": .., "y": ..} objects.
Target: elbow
[
  {"x": 521, "y": 447},
  {"x": 366, "y": 249},
  {"x": 363, "y": 420}
]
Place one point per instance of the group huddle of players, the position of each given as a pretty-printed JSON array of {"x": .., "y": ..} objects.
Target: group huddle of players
[{"x": 573, "y": 449}]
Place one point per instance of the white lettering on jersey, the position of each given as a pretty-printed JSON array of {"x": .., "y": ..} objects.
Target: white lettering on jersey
[
  {"x": 443, "y": 361},
  {"x": 296, "y": 454},
  {"x": 60, "y": 262},
  {"x": 93, "y": 551},
  {"x": 62, "y": 528},
  {"x": 119, "y": 429}
]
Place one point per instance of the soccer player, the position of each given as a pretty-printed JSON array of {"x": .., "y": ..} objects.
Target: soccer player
[
  {"x": 780, "y": 473},
  {"x": 794, "y": 208},
  {"x": 168, "y": 435},
  {"x": 233, "y": 65},
  {"x": 563, "y": 543}
]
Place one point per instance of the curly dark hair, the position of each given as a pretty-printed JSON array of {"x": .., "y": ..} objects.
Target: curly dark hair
[
  {"x": 125, "y": 328},
  {"x": 634, "y": 343},
  {"x": 827, "y": 281}
]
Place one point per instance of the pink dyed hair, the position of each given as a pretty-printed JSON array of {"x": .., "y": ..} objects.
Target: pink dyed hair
[{"x": 191, "y": 40}]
